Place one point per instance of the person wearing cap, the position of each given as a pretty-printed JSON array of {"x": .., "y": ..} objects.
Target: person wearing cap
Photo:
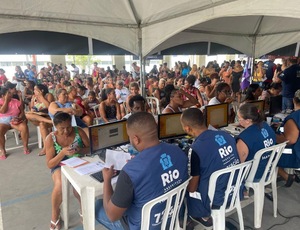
[
  {"x": 16, "y": 94},
  {"x": 291, "y": 133},
  {"x": 11, "y": 117},
  {"x": 3, "y": 78}
]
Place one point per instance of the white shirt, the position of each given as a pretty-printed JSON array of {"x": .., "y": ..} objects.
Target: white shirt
[{"x": 124, "y": 92}]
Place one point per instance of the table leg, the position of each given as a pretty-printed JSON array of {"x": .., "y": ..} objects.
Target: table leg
[
  {"x": 88, "y": 208},
  {"x": 65, "y": 200}
]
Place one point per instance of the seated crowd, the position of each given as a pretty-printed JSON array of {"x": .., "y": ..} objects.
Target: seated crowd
[{"x": 52, "y": 99}]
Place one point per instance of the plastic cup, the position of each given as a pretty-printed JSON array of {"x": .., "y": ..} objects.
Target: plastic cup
[{"x": 269, "y": 120}]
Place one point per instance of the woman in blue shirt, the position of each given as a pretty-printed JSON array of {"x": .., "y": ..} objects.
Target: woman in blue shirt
[
  {"x": 291, "y": 126},
  {"x": 256, "y": 136}
]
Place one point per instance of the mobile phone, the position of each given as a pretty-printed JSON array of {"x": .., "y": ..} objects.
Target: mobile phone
[{"x": 74, "y": 145}]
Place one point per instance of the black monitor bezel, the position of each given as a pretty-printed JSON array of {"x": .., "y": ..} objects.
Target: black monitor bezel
[
  {"x": 159, "y": 126},
  {"x": 263, "y": 102},
  {"x": 100, "y": 125},
  {"x": 221, "y": 104}
]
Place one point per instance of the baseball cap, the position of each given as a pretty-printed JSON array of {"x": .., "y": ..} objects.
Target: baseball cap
[{"x": 10, "y": 85}]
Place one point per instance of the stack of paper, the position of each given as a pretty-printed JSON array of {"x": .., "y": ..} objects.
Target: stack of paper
[
  {"x": 74, "y": 162},
  {"x": 90, "y": 168}
]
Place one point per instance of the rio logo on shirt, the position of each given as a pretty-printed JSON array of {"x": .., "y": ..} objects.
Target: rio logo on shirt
[
  {"x": 267, "y": 142},
  {"x": 224, "y": 150},
  {"x": 170, "y": 176}
]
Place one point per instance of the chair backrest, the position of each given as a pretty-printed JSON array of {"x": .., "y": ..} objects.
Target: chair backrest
[
  {"x": 154, "y": 104},
  {"x": 236, "y": 175},
  {"x": 96, "y": 108},
  {"x": 275, "y": 152},
  {"x": 173, "y": 199}
]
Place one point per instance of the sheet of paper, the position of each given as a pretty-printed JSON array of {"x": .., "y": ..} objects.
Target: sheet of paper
[
  {"x": 74, "y": 162},
  {"x": 116, "y": 158},
  {"x": 90, "y": 168},
  {"x": 210, "y": 127}
]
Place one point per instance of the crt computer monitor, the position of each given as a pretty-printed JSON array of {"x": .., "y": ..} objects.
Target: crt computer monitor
[
  {"x": 108, "y": 135},
  {"x": 169, "y": 126},
  {"x": 217, "y": 115},
  {"x": 260, "y": 104}
]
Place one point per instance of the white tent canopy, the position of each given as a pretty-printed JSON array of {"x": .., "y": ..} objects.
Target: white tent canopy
[{"x": 143, "y": 27}]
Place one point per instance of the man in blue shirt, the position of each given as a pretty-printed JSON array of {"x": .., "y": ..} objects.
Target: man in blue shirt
[
  {"x": 290, "y": 79},
  {"x": 157, "y": 169},
  {"x": 32, "y": 74},
  {"x": 212, "y": 151}
]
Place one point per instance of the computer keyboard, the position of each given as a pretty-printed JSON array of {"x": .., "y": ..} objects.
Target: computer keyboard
[{"x": 99, "y": 176}]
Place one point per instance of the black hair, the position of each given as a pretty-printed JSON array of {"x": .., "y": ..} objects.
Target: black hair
[
  {"x": 203, "y": 80},
  {"x": 32, "y": 83},
  {"x": 249, "y": 93},
  {"x": 193, "y": 117},
  {"x": 135, "y": 99},
  {"x": 60, "y": 117},
  {"x": 92, "y": 93},
  {"x": 43, "y": 88},
  {"x": 277, "y": 86},
  {"x": 140, "y": 119},
  {"x": 3, "y": 91},
  {"x": 108, "y": 91},
  {"x": 221, "y": 86},
  {"x": 168, "y": 90},
  {"x": 191, "y": 79},
  {"x": 250, "y": 111},
  {"x": 81, "y": 87},
  {"x": 67, "y": 83}
]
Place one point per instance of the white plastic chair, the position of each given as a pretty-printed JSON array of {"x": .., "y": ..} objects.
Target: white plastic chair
[
  {"x": 236, "y": 176},
  {"x": 15, "y": 132},
  {"x": 154, "y": 104},
  {"x": 269, "y": 177},
  {"x": 174, "y": 200},
  {"x": 97, "y": 118},
  {"x": 39, "y": 136}
]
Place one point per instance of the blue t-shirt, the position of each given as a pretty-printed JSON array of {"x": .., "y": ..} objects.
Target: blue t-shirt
[
  {"x": 258, "y": 137},
  {"x": 215, "y": 150},
  {"x": 290, "y": 78},
  {"x": 153, "y": 172},
  {"x": 293, "y": 160},
  {"x": 31, "y": 76},
  {"x": 66, "y": 105}
]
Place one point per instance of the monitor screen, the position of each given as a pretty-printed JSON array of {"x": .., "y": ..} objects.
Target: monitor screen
[
  {"x": 217, "y": 115},
  {"x": 260, "y": 104},
  {"x": 108, "y": 135},
  {"x": 169, "y": 126},
  {"x": 275, "y": 105}
]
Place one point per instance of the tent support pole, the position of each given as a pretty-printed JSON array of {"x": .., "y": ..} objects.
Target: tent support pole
[
  {"x": 142, "y": 64},
  {"x": 297, "y": 49},
  {"x": 253, "y": 57}
]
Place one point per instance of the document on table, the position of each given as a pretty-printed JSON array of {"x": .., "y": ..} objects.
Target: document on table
[
  {"x": 90, "y": 168},
  {"x": 74, "y": 162},
  {"x": 116, "y": 158}
]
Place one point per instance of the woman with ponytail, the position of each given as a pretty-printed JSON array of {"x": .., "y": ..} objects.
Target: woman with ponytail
[{"x": 256, "y": 136}]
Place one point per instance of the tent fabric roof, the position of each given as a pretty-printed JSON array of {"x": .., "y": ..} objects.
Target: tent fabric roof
[{"x": 145, "y": 27}]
